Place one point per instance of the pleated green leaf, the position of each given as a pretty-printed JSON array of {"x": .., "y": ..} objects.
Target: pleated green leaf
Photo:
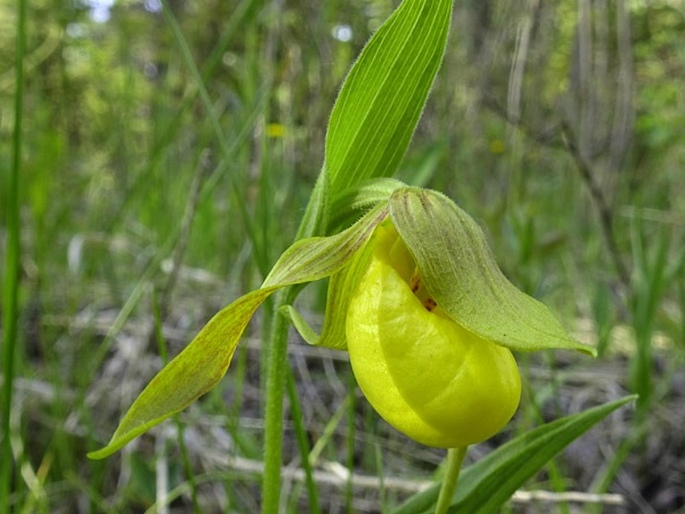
[
  {"x": 384, "y": 94},
  {"x": 202, "y": 364},
  {"x": 489, "y": 483},
  {"x": 462, "y": 276}
]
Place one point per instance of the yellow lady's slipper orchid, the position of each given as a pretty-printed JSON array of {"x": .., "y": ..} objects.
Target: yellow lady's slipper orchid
[
  {"x": 427, "y": 374},
  {"x": 423, "y": 373}
]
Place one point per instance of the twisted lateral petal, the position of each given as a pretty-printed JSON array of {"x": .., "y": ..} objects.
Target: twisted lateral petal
[
  {"x": 203, "y": 363},
  {"x": 192, "y": 373}
]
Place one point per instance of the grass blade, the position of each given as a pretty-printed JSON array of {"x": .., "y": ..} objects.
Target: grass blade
[
  {"x": 489, "y": 483},
  {"x": 11, "y": 273}
]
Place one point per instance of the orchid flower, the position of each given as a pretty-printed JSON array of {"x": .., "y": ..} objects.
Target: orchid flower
[{"x": 417, "y": 300}]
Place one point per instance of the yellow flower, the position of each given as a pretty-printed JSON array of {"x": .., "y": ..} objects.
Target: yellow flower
[
  {"x": 275, "y": 130},
  {"x": 416, "y": 298},
  {"x": 423, "y": 373},
  {"x": 497, "y": 147}
]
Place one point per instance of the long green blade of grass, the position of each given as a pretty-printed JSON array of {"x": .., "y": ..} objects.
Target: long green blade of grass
[
  {"x": 11, "y": 275},
  {"x": 490, "y": 482},
  {"x": 216, "y": 127}
]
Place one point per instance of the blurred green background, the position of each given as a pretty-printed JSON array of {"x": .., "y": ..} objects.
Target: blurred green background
[{"x": 163, "y": 173}]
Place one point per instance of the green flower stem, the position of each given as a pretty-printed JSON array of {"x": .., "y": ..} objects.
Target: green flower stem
[
  {"x": 275, "y": 367},
  {"x": 455, "y": 456},
  {"x": 275, "y": 386}
]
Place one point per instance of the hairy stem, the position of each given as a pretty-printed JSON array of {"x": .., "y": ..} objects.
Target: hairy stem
[{"x": 275, "y": 385}]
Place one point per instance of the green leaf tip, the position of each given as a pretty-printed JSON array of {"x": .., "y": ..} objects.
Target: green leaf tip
[
  {"x": 460, "y": 272},
  {"x": 382, "y": 98}
]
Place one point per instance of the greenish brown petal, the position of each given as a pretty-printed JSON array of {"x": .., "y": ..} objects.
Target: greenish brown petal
[
  {"x": 318, "y": 257},
  {"x": 203, "y": 363},
  {"x": 461, "y": 274},
  {"x": 196, "y": 370}
]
